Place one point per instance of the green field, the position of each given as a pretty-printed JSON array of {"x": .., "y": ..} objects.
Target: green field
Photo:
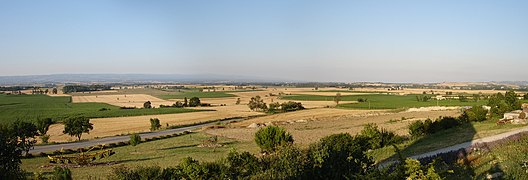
[
  {"x": 165, "y": 153},
  {"x": 31, "y": 107},
  {"x": 383, "y": 101}
]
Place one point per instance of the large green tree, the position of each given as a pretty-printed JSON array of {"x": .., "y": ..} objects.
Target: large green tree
[
  {"x": 338, "y": 156},
  {"x": 194, "y": 101},
  {"x": 25, "y": 132},
  {"x": 77, "y": 126},
  {"x": 271, "y": 137},
  {"x": 10, "y": 153},
  {"x": 257, "y": 104},
  {"x": 43, "y": 125}
]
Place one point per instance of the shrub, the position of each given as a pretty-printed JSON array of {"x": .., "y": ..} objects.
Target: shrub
[
  {"x": 125, "y": 107},
  {"x": 289, "y": 162},
  {"x": 271, "y": 137},
  {"x": 378, "y": 138},
  {"x": 194, "y": 101},
  {"x": 151, "y": 172},
  {"x": 61, "y": 173},
  {"x": 242, "y": 164},
  {"x": 417, "y": 129},
  {"x": 104, "y": 109},
  {"x": 291, "y": 106},
  {"x": 135, "y": 139},
  {"x": 154, "y": 124},
  {"x": 339, "y": 155},
  {"x": 476, "y": 114},
  {"x": 45, "y": 138},
  {"x": 121, "y": 143}
]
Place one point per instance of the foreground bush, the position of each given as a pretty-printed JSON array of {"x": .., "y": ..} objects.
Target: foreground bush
[
  {"x": 427, "y": 127},
  {"x": 338, "y": 156},
  {"x": 135, "y": 139},
  {"x": 271, "y": 137},
  {"x": 379, "y": 137}
]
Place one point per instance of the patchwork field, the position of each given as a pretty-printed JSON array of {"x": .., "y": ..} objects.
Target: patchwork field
[{"x": 31, "y": 107}]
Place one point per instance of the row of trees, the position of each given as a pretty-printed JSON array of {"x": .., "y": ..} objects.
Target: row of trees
[{"x": 84, "y": 88}]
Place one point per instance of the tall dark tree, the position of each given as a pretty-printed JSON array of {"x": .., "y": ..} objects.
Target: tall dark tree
[
  {"x": 10, "y": 154},
  {"x": 25, "y": 132},
  {"x": 194, "y": 101},
  {"x": 77, "y": 126},
  {"x": 185, "y": 102},
  {"x": 147, "y": 105},
  {"x": 43, "y": 125}
]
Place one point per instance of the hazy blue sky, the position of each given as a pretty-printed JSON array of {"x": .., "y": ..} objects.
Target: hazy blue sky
[{"x": 374, "y": 40}]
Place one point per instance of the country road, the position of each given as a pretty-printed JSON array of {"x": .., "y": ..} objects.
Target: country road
[{"x": 116, "y": 139}]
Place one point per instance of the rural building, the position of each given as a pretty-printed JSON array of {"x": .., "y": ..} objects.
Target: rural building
[{"x": 515, "y": 117}]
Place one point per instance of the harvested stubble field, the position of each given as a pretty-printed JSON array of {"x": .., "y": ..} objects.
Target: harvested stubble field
[
  {"x": 308, "y": 126},
  {"x": 123, "y": 100},
  {"x": 124, "y": 125}
]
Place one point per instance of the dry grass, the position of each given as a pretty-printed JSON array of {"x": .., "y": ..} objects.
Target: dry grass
[
  {"x": 319, "y": 124},
  {"x": 128, "y": 100}
]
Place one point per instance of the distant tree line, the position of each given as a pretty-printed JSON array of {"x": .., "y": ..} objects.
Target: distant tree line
[{"x": 84, "y": 88}]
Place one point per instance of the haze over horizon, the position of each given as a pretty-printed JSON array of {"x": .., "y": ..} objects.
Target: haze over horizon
[{"x": 338, "y": 41}]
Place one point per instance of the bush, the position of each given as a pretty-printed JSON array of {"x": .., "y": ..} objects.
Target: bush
[
  {"x": 242, "y": 164},
  {"x": 194, "y": 101},
  {"x": 271, "y": 137},
  {"x": 291, "y": 106},
  {"x": 378, "y": 138},
  {"x": 289, "y": 162},
  {"x": 61, "y": 173},
  {"x": 125, "y": 107},
  {"x": 339, "y": 155},
  {"x": 45, "y": 138},
  {"x": 154, "y": 124},
  {"x": 418, "y": 128},
  {"x": 135, "y": 139},
  {"x": 151, "y": 172},
  {"x": 104, "y": 109},
  {"x": 475, "y": 114}
]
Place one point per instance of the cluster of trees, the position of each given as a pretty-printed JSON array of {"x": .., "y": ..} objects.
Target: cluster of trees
[
  {"x": 154, "y": 124},
  {"x": 285, "y": 107},
  {"x": 501, "y": 104},
  {"x": 257, "y": 104},
  {"x": 20, "y": 137},
  {"x": 338, "y": 156},
  {"x": 15, "y": 139},
  {"x": 423, "y": 98},
  {"x": 84, "y": 88},
  {"x": 379, "y": 137},
  {"x": 427, "y": 127}
]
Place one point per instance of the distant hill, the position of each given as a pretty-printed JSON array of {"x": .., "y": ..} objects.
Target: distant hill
[{"x": 128, "y": 78}]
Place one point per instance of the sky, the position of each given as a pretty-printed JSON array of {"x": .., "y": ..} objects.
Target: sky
[{"x": 338, "y": 41}]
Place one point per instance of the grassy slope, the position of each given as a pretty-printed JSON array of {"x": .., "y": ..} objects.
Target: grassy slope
[
  {"x": 30, "y": 107},
  {"x": 383, "y": 101},
  {"x": 445, "y": 138},
  {"x": 166, "y": 152}
]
